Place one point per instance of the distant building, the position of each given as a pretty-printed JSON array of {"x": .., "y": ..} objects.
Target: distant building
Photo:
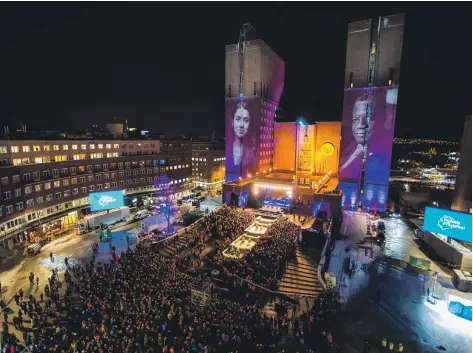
[
  {"x": 208, "y": 165},
  {"x": 178, "y": 163},
  {"x": 115, "y": 129},
  {"x": 462, "y": 199}
]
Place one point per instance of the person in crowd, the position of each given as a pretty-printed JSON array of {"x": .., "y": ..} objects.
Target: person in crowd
[{"x": 141, "y": 302}]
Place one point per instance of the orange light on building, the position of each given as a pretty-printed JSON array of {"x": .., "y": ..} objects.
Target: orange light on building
[
  {"x": 239, "y": 177},
  {"x": 249, "y": 175}
]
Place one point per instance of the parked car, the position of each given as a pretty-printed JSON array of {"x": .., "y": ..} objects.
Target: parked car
[{"x": 33, "y": 249}]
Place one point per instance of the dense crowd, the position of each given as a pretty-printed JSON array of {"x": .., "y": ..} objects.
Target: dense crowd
[
  {"x": 140, "y": 302},
  {"x": 226, "y": 221},
  {"x": 269, "y": 253}
]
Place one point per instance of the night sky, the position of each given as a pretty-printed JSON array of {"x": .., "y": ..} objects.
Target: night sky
[{"x": 71, "y": 65}]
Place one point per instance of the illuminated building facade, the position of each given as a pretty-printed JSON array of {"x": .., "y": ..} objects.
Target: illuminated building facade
[
  {"x": 254, "y": 81},
  {"x": 372, "y": 72},
  {"x": 307, "y": 151},
  {"x": 305, "y": 165}
]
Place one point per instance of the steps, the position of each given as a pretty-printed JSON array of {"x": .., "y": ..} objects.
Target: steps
[
  {"x": 301, "y": 276},
  {"x": 171, "y": 248}
]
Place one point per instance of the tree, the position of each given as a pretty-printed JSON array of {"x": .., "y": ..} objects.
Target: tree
[
  {"x": 185, "y": 209},
  {"x": 166, "y": 190}
]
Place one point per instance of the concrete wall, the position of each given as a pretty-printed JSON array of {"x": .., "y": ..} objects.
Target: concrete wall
[
  {"x": 264, "y": 71},
  {"x": 389, "y": 49},
  {"x": 357, "y": 56},
  {"x": 462, "y": 199},
  {"x": 284, "y": 146},
  {"x": 459, "y": 258}
]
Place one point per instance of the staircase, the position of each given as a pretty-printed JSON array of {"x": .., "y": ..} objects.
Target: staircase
[
  {"x": 171, "y": 249},
  {"x": 301, "y": 276}
]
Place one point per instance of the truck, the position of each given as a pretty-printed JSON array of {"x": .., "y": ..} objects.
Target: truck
[
  {"x": 102, "y": 219},
  {"x": 155, "y": 223}
]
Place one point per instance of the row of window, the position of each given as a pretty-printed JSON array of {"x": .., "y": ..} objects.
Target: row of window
[
  {"x": 63, "y": 158},
  {"x": 73, "y": 147},
  {"x": 195, "y": 159},
  {"x": 84, "y": 190},
  {"x": 65, "y": 182},
  {"x": 73, "y": 170},
  {"x": 177, "y": 166}
]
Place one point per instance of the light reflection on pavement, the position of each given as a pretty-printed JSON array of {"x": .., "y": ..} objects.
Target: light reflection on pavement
[
  {"x": 399, "y": 239},
  {"x": 400, "y": 244},
  {"x": 77, "y": 248},
  {"x": 402, "y": 315},
  {"x": 58, "y": 262}
]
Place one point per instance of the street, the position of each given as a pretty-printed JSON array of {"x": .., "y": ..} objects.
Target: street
[
  {"x": 402, "y": 314},
  {"x": 77, "y": 248}
]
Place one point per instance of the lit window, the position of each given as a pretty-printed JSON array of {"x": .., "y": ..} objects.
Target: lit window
[
  {"x": 100, "y": 146},
  {"x": 108, "y": 145},
  {"x": 65, "y": 147},
  {"x": 46, "y": 148},
  {"x": 74, "y": 147},
  {"x": 116, "y": 145},
  {"x": 83, "y": 147},
  {"x": 60, "y": 158},
  {"x": 92, "y": 146},
  {"x": 15, "y": 149},
  {"x": 55, "y": 147}
]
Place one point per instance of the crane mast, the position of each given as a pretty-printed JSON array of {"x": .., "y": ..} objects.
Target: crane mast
[{"x": 242, "y": 43}]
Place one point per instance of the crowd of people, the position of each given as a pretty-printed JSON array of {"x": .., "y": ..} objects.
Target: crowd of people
[
  {"x": 259, "y": 266},
  {"x": 227, "y": 222},
  {"x": 139, "y": 302}
]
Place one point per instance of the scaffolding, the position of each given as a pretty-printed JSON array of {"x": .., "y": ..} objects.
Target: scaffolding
[{"x": 201, "y": 293}]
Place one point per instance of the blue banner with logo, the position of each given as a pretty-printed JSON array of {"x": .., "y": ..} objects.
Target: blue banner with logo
[
  {"x": 453, "y": 224},
  {"x": 100, "y": 201}
]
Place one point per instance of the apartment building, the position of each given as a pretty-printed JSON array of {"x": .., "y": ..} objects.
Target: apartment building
[
  {"x": 208, "y": 165},
  {"x": 178, "y": 154},
  {"x": 47, "y": 182}
]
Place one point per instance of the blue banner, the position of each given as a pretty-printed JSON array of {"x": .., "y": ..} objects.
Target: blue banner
[
  {"x": 100, "y": 201},
  {"x": 453, "y": 224}
]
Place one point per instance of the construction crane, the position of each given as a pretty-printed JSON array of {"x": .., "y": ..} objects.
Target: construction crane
[{"x": 242, "y": 42}]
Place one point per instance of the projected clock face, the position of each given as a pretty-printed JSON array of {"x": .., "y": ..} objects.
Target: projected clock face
[{"x": 327, "y": 149}]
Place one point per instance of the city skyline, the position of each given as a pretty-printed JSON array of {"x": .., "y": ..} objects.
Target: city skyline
[{"x": 86, "y": 63}]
